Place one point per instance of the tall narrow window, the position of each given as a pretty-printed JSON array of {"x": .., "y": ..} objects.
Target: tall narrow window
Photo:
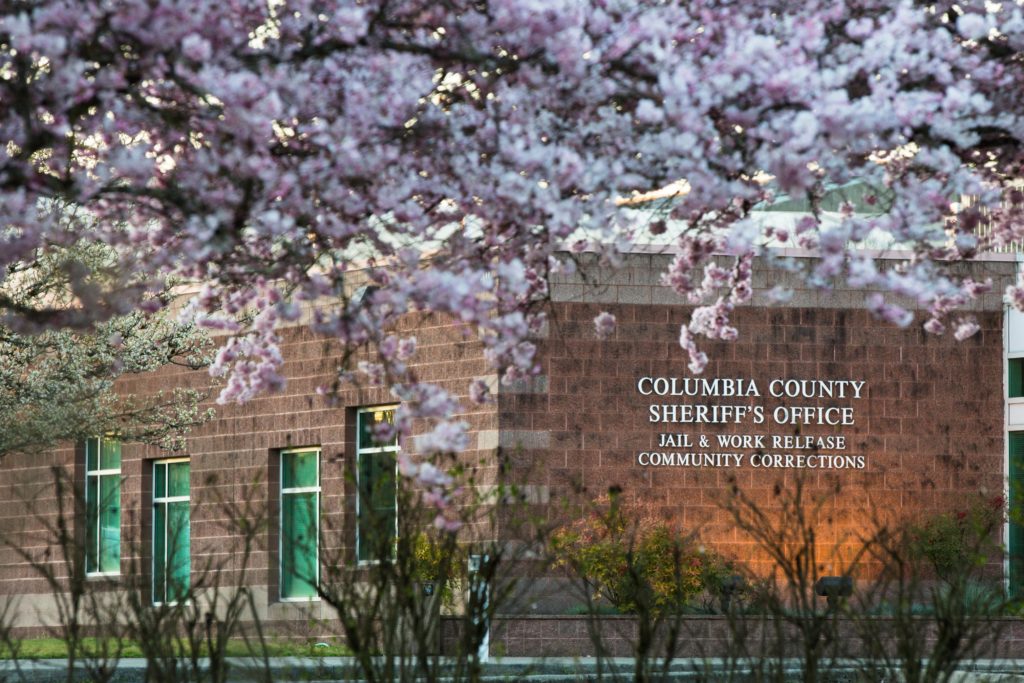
[
  {"x": 102, "y": 506},
  {"x": 300, "y": 523},
  {"x": 1015, "y": 380},
  {"x": 171, "y": 531},
  {"x": 376, "y": 509},
  {"x": 1015, "y": 542}
]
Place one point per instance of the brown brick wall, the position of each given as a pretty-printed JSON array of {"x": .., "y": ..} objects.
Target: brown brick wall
[
  {"x": 710, "y": 637},
  {"x": 234, "y": 462},
  {"x": 930, "y": 425}
]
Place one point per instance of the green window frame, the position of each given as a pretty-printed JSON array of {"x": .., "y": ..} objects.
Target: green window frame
[
  {"x": 102, "y": 506},
  {"x": 1015, "y": 378},
  {"x": 298, "y": 545},
  {"x": 172, "y": 557},
  {"x": 376, "y": 487},
  {"x": 1015, "y": 535}
]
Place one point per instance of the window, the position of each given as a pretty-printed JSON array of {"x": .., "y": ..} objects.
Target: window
[
  {"x": 300, "y": 523},
  {"x": 102, "y": 506},
  {"x": 171, "y": 533},
  {"x": 376, "y": 508},
  {"x": 1015, "y": 541},
  {"x": 1015, "y": 382}
]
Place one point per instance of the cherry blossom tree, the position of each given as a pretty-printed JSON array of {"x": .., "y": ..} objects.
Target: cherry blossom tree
[{"x": 456, "y": 154}]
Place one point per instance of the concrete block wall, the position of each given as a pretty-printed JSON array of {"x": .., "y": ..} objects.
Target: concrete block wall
[
  {"x": 713, "y": 637},
  {"x": 234, "y": 468},
  {"x": 929, "y": 425}
]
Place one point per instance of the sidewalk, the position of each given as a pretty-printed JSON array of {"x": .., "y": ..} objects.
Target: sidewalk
[{"x": 541, "y": 670}]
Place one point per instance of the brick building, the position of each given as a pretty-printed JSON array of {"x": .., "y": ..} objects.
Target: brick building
[{"x": 902, "y": 421}]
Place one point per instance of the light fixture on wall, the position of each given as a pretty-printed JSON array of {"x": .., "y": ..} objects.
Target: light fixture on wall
[{"x": 833, "y": 588}]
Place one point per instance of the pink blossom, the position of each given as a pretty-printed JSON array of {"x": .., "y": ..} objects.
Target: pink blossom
[
  {"x": 604, "y": 325},
  {"x": 446, "y": 437},
  {"x": 1015, "y": 297},
  {"x": 374, "y": 372},
  {"x": 407, "y": 348},
  {"x": 442, "y": 523},
  {"x": 972, "y": 25},
  {"x": 479, "y": 392},
  {"x": 429, "y": 475},
  {"x": 698, "y": 359},
  {"x": 272, "y": 155},
  {"x": 196, "y": 48},
  {"x": 888, "y": 312},
  {"x": 406, "y": 467},
  {"x": 974, "y": 289},
  {"x": 384, "y": 432},
  {"x": 966, "y": 328}
]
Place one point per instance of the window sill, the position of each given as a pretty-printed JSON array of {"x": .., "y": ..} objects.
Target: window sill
[{"x": 1015, "y": 412}]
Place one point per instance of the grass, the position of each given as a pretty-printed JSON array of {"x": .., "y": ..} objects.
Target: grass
[{"x": 55, "y": 648}]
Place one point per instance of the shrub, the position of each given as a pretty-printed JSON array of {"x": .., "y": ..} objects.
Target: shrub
[
  {"x": 956, "y": 544},
  {"x": 633, "y": 559},
  {"x": 436, "y": 560}
]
